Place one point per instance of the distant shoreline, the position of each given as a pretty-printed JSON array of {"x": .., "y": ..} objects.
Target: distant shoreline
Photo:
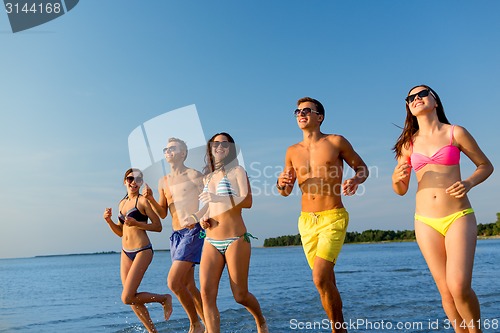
[
  {"x": 382, "y": 242},
  {"x": 88, "y": 254},
  {"x": 257, "y": 247}
]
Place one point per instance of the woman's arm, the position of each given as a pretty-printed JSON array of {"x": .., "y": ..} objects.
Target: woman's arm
[
  {"x": 244, "y": 200},
  {"x": 116, "y": 228},
  {"x": 401, "y": 173},
  {"x": 484, "y": 168}
]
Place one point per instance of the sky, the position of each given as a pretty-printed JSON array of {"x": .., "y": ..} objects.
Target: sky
[{"x": 73, "y": 90}]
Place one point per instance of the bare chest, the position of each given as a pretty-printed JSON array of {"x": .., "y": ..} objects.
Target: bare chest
[
  {"x": 180, "y": 188},
  {"x": 323, "y": 162}
]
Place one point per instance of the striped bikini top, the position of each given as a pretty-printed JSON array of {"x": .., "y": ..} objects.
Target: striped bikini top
[
  {"x": 224, "y": 187},
  {"x": 447, "y": 155}
]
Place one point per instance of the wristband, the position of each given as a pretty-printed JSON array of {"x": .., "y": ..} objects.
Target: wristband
[{"x": 195, "y": 218}]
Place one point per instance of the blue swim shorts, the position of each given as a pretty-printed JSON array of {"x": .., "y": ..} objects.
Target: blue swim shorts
[{"x": 186, "y": 245}]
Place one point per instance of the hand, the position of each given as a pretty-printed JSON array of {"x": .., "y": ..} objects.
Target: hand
[
  {"x": 205, "y": 223},
  {"x": 401, "y": 171},
  {"x": 107, "y": 214},
  {"x": 350, "y": 186},
  {"x": 131, "y": 222},
  {"x": 459, "y": 189},
  {"x": 146, "y": 191},
  {"x": 286, "y": 178},
  {"x": 207, "y": 197},
  {"x": 189, "y": 222}
]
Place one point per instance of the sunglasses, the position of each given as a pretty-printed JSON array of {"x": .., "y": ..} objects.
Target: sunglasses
[
  {"x": 169, "y": 149},
  {"x": 304, "y": 112},
  {"x": 421, "y": 94},
  {"x": 223, "y": 144},
  {"x": 137, "y": 180}
]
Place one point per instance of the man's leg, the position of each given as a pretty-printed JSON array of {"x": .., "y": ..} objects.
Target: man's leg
[
  {"x": 324, "y": 280},
  {"x": 177, "y": 278}
]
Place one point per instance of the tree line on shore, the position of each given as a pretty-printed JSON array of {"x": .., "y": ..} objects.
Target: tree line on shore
[{"x": 484, "y": 230}]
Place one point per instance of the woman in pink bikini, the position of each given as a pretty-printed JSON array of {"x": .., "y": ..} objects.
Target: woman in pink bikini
[{"x": 445, "y": 224}]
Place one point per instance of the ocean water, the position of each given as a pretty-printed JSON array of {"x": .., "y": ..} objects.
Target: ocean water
[{"x": 385, "y": 287}]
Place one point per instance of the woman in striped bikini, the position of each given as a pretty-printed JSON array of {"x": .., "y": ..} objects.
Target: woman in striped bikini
[{"x": 226, "y": 193}]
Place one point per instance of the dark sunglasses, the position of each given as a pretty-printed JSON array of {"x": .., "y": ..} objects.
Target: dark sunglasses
[
  {"x": 223, "y": 144},
  {"x": 130, "y": 179},
  {"x": 421, "y": 94},
  {"x": 169, "y": 149},
  {"x": 304, "y": 112}
]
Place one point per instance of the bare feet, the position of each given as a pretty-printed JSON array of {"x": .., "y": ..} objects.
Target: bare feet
[
  {"x": 263, "y": 328},
  {"x": 196, "y": 328},
  {"x": 167, "y": 306}
]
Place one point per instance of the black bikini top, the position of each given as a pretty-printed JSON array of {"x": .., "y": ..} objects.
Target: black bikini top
[{"x": 134, "y": 213}]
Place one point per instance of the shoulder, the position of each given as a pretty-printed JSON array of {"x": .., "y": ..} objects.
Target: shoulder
[
  {"x": 293, "y": 149},
  {"x": 142, "y": 203},
  {"x": 162, "y": 183},
  {"x": 460, "y": 134},
  {"x": 122, "y": 202},
  {"x": 335, "y": 138},
  {"x": 207, "y": 177},
  {"x": 237, "y": 170},
  {"x": 338, "y": 141},
  {"x": 193, "y": 174},
  {"x": 459, "y": 130}
]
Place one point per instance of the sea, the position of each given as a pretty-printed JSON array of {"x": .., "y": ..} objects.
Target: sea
[{"x": 385, "y": 287}]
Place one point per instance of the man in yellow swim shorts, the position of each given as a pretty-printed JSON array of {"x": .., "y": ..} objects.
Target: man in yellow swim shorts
[{"x": 317, "y": 164}]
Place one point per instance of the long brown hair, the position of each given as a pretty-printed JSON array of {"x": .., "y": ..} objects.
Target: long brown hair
[
  {"x": 228, "y": 162},
  {"x": 411, "y": 123}
]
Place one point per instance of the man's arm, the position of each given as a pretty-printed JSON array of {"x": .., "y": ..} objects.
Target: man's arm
[
  {"x": 160, "y": 207},
  {"x": 352, "y": 158},
  {"x": 286, "y": 179}
]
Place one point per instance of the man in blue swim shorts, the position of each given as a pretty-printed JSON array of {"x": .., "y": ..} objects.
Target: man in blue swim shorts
[
  {"x": 178, "y": 192},
  {"x": 317, "y": 164}
]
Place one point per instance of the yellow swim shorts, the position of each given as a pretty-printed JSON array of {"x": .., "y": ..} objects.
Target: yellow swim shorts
[{"x": 323, "y": 233}]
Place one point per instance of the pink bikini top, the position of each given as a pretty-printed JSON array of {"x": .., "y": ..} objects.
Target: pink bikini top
[{"x": 447, "y": 155}]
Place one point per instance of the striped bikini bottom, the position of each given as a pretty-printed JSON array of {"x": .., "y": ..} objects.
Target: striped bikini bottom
[{"x": 222, "y": 245}]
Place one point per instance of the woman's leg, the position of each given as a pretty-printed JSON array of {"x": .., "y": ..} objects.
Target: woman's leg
[
  {"x": 238, "y": 262},
  {"x": 132, "y": 273},
  {"x": 432, "y": 246},
  {"x": 211, "y": 267},
  {"x": 460, "y": 244}
]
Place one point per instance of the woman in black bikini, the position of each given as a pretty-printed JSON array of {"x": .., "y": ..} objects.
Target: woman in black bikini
[{"x": 137, "y": 251}]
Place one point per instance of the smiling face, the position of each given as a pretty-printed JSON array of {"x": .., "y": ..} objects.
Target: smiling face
[
  {"x": 174, "y": 152},
  {"x": 421, "y": 99},
  {"x": 308, "y": 119},
  {"x": 220, "y": 147},
  {"x": 133, "y": 181}
]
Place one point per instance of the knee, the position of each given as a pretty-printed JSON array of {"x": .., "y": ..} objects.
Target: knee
[
  {"x": 208, "y": 296},
  {"x": 175, "y": 284},
  {"x": 127, "y": 298},
  {"x": 321, "y": 281},
  {"x": 459, "y": 290},
  {"x": 241, "y": 296}
]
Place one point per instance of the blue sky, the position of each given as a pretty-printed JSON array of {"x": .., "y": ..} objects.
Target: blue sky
[{"x": 72, "y": 91}]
